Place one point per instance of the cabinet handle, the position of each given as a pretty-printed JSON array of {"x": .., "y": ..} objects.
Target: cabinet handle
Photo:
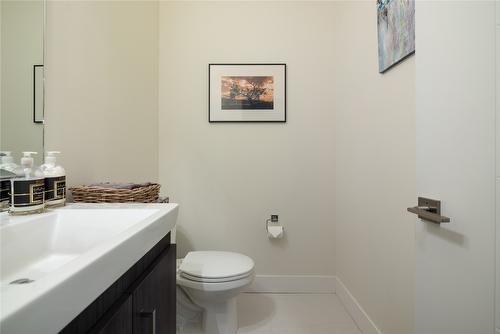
[{"x": 152, "y": 315}]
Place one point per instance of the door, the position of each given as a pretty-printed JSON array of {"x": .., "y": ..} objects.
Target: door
[
  {"x": 497, "y": 304},
  {"x": 154, "y": 299},
  {"x": 455, "y": 261}
]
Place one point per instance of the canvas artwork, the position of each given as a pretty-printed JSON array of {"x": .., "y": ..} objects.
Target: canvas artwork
[
  {"x": 396, "y": 31},
  {"x": 247, "y": 93}
]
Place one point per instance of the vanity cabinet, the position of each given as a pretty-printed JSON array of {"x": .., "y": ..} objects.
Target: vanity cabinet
[
  {"x": 141, "y": 301},
  {"x": 120, "y": 321},
  {"x": 154, "y": 299}
]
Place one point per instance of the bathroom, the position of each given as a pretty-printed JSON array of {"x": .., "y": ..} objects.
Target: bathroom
[{"x": 125, "y": 92}]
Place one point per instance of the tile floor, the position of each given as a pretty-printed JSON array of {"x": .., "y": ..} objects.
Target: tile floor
[{"x": 292, "y": 314}]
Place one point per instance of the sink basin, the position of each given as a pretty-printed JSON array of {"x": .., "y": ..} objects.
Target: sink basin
[
  {"x": 52, "y": 265},
  {"x": 36, "y": 246}
]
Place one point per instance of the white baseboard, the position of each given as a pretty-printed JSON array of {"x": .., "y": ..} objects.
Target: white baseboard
[
  {"x": 365, "y": 324},
  {"x": 292, "y": 284}
]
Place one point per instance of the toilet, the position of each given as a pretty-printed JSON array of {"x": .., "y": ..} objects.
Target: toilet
[{"x": 212, "y": 280}]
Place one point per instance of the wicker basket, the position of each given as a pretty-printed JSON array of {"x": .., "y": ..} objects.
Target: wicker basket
[{"x": 148, "y": 194}]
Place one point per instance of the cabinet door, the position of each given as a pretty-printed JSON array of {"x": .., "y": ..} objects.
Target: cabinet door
[
  {"x": 154, "y": 299},
  {"x": 119, "y": 321}
]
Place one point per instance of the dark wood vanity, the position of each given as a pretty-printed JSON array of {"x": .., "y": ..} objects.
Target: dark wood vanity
[{"x": 141, "y": 301}]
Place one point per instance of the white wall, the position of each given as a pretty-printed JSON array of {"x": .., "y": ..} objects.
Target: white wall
[
  {"x": 455, "y": 163},
  {"x": 21, "y": 48},
  {"x": 230, "y": 177},
  {"x": 375, "y": 173},
  {"x": 102, "y": 89}
]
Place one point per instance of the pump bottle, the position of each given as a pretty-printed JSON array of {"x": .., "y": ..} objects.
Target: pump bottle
[
  {"x": 55, "y": 180},
  {"x": 7, "y": 172},
  {"x": 28, "y": 187}
]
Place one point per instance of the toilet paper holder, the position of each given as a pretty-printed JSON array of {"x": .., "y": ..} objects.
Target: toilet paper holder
[{"x": 274, "y": 221}]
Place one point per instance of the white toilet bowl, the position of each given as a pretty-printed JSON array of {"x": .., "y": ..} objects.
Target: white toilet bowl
[{"x": 213, "y": 280}]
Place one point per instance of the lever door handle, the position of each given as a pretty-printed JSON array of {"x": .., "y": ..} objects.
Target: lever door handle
[
  {"x": 429, "y": 210},
  {"x": 428, "y": 215},
  {"x": 152, "y": 315}
]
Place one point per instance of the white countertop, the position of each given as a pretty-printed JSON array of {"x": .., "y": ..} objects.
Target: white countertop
[{"x": 73, "y": 254}]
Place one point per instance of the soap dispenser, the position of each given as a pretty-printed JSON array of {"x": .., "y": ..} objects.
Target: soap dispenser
[
  {"x": 28, "y": 187},
  {"x": 55, "y": 180},
  {"x": 7, "y": 172}
]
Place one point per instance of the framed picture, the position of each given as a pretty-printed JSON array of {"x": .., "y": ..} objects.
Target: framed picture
[
  {"x": 247, "y": 93},
  {"x": 396, "y": 32}
]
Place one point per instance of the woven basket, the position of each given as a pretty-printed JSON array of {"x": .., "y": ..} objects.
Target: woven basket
[{"x": 148, "y": 194}]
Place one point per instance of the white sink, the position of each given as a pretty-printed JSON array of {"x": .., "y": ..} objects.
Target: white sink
[{"x": 69, "y": 256}]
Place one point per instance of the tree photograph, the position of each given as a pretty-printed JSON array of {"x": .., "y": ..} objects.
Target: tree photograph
[{"x": 247, "y": 93}]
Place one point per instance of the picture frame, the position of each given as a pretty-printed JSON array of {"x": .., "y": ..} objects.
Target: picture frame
[
  {"x": 38, "y": 94},
  {"x": 247, "y": 92}
]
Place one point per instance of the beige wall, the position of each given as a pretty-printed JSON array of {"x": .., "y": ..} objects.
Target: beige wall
[
  {"x": 21, "y": 47},
  {"x": 375, "y": 173},
  {"x": 102, "y": 89},
  {"x": 340, "y": 172},
  {"x": 230, "y": 177}
]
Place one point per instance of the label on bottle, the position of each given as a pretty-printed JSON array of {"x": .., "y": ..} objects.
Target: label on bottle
[
  {"x": 55, "y": 188},
  {"x": 28, "y": 192},
  {"x": 5, "y": 191}
]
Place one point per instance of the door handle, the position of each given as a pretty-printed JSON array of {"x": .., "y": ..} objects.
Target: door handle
[
  {"x": 152, "y": 316},
  {"x": 429, "y": 210}
]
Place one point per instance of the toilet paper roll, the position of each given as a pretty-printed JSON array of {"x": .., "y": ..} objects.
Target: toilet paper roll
[{"x": 275, "y": 232}]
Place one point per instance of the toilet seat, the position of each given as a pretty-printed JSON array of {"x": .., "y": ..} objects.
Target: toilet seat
[
  {"x": 214, "y": 286},
  {"x": 214, "y": 280}
]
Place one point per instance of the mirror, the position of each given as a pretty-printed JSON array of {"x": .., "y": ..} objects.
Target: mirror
[{"x": 22, "y": 77}]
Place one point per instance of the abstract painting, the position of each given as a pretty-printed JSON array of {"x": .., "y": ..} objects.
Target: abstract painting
[
  {"x": 247, "y": 93},
  {"x": 396, "y": 31}
]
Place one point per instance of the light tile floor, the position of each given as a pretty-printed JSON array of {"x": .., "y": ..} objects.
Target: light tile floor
[{"x": 292, "y": 314}]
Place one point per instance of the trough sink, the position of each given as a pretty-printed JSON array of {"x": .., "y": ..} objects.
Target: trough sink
[{"x": 54, "y": 264}]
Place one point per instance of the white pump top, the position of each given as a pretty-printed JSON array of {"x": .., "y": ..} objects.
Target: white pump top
[
  {"x": 27, "y": 160},
  {"x": 50, "y": 168},
  {"x": 50, "y": 157},
  {"x": 7, "y": 158}
]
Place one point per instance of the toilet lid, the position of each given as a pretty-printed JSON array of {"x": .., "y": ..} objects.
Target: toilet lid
[{"x": 215, "y": 265}]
